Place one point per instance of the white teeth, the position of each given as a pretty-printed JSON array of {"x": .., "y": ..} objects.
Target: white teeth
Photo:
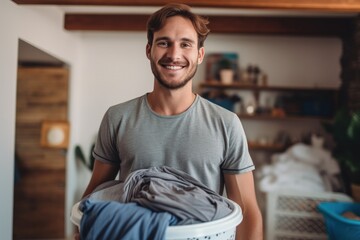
[{"x": 174, "y": 67}]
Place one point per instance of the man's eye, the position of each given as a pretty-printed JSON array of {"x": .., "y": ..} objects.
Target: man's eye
[
  {"x": 186, "y": 45},
  {"x": 162, "y": 44}
]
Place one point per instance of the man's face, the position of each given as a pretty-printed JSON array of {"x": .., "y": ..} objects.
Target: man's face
[{"x": 174, "y": 54}]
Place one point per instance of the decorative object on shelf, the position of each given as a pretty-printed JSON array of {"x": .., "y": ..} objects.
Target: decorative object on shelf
[
  {"x": 255, "y": 75},
  {"x": 226, "y": 71},
  {"x": 250, "y": 108},
  {"x": 239, "y": 106},
  {"x": 252, "y": 74},
  {"x": 263, "y": 79},
  {"x": 55, "y": 134},
  {"x": 345, "y": 131},
  {"x": 222, "y": 67},
  {"x": 222, "y": 99},
  {"x": 278, "y": 112},
  {"x": 305, "y": 103}
]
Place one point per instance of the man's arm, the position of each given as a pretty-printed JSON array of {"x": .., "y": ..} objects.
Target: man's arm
[
  {"x": 102, "y": 172},
  {"x": 240, "y": 188}
]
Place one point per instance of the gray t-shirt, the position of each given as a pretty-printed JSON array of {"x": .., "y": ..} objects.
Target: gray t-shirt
[{"x": 205, "y": 141}]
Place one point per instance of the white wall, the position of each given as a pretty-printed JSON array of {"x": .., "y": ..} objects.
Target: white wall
[
  {"x": 43, "y": 28},
  {"x": 289, "y": 61},
  {"x": 115, "y": 69},
  {"x": 108, "y": 68}
]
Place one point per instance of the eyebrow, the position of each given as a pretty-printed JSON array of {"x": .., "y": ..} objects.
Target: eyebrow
[{"x": 167, "y": 39}]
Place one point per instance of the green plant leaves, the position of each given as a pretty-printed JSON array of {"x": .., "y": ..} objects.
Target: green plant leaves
[
  {"x": 354, "y": 127},
  {"x": 345, "y": 131},
  {"x": 80, "y": 156}
]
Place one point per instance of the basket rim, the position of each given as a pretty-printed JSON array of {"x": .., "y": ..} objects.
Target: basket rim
[
  {"x": 207, "y": 228},
  {"x": 197, "y": 230},
  {"x": 326, "y": 207}
]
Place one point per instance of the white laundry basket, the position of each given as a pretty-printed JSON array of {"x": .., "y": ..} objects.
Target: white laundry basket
[
  {"x": 293, "y": 215},
  {"x": 221, "y": 229}
]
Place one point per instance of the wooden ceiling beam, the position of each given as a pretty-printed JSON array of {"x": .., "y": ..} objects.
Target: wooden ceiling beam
[
  {"x": 105, "y": 22},
  {"x": 318, "y": 5},
  {"x": 304, "y": 26},
  {"x": 301, "y": 26}
]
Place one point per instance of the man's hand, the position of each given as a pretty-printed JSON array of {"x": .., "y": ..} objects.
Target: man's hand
[{"x": 76, "y": 236}]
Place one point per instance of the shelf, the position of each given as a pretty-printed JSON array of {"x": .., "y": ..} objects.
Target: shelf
[
  {"x": 285, "y": 118},
  {"x": 297, "y": 104},
  {"x": 266, "y": 147},
  {"x": 316, "y": 94},
  {"x": 242, "y": 86}
]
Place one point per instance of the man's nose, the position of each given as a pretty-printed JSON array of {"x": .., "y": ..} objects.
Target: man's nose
[{"x": 174, "y": 52}]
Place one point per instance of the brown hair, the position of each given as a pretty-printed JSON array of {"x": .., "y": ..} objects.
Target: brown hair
[{"x": 157, "y": 21}]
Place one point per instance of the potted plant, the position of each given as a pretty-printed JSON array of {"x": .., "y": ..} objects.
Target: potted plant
[
  {"x": 345, "y": 131},
  {"x": 79, "y": 155},
  {"x": 226, "y": 71}
]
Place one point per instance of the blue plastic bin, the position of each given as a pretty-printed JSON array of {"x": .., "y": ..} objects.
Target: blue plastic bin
[{"x": 337, "y": 226}]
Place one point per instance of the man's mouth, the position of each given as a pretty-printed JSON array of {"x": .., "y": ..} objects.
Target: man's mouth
[{"x": 173, "y": 67}]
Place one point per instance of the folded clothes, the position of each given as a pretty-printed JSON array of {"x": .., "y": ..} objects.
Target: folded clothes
[
  {"x": 170, "y": 190},
  {"x": 167, "y": 189},
  {"x": 301, "y": 167},
  {"x": 107, "y": 220}
]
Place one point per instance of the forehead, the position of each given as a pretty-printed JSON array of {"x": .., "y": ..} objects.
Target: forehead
[{"x": 176, "y": 28}]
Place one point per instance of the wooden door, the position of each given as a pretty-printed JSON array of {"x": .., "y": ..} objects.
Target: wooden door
[{"x": 39, "y": 191}]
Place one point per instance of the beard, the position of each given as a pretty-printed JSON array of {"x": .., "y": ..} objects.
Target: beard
[{"x": 172, "y": 85}]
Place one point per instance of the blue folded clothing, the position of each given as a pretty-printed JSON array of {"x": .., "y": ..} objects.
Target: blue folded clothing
[{"x": 127, "y": 221}]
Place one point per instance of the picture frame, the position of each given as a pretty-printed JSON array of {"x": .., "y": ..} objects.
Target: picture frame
[{"x": 55, "y": 134}]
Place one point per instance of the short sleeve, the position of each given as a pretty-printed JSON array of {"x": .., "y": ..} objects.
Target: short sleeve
[
  {"x": 237, "y": 157},
  {"x": 105, "y": 147}
]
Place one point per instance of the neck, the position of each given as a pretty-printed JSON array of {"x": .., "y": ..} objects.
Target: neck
[{"x": 171, "y": 102}]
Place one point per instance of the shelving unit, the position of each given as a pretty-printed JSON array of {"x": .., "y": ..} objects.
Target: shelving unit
[
  {"x": 242, "y": 86},
  {"x": 266, "y": 147},
  {"x": 329, "y": 93},
  {"x": 269, "y": 117}
]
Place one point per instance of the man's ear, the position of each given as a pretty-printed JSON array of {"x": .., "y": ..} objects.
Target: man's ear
[
  {"x": 201, "y": 55},
  {"x": 148, "y": 51}
]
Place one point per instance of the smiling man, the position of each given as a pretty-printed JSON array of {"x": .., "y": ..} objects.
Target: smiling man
[
  {"x": 174, "y": 53},
  {"x": 171, "y": 126}
]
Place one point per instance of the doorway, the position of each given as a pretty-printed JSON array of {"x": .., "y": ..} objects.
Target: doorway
[{"x": 40, "y": 183}]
